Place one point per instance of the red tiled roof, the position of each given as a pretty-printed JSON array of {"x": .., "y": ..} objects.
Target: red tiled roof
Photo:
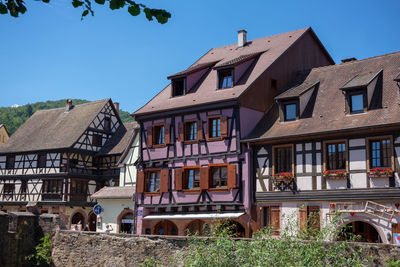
[
  {"x": 121, "y": 192},
  {"x": 328, "y": 114},
  {"x": 269, "y": 48}
]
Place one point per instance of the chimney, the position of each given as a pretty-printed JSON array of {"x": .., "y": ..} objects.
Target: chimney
[
  {"x": 348, "y": 59},
  {"x": 68, "y": 107},
  {"x": 242, "y": 38},
  {"x": 116, "y": 106}
]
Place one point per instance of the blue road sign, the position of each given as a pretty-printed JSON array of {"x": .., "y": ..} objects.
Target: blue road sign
[{"x": 97, "y": 209}]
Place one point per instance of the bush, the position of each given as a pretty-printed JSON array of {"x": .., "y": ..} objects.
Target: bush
[
  {"x": 42, "y": 254},
  {"x": 293, "y": 248}
]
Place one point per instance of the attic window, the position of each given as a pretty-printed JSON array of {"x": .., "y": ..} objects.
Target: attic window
[
  {"x": 290, "y": 112},
  {"x": 356, "y": 102},
  {"x": 178, "y": 87},
  {"x": 225, "y": 78}
]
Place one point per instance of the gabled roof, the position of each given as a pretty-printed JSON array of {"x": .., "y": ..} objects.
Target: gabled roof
[
  {"x": 296, "y": 91},
  {"x": 120, "y": 140},
  {"x": 120, "y": 192},
  {"x": 53, "y": 128},
  {"x": 268, "y": 50},
  {"x": 328, "y": 114},
  {"x": 193, "y": 69},
  {"x": 360, "y": 80}
]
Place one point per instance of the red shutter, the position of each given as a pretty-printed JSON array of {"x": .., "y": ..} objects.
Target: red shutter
[
  {"x": 224, "y": 127},
  {"x": 303, "y": 218},
  {"x": 150, "y": 136},
  {"x": 167, "y": 134},
  {"x": 200, "y": 130},
  {"x": 232, "y": 183},
  {"x": 181, "y": 132},
  {"x": 140, "y": 182},
  {"x": 275, "y": 220},
  {"x": 178, "y": 179},
  {"x": 164, "y": 181},
  {"x": 204, "y": 178}
]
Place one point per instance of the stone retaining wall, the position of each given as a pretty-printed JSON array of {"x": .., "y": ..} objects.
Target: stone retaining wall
[{"x": 109, "y": 250}]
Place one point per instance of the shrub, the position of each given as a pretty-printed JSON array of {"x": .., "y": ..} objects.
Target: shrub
[{"x": 42, "y": 254}]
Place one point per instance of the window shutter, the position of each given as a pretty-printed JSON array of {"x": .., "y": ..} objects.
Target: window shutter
[
  {"x": 275, "y": 220},
  {"x": 140, "y": 182},
  {"x": 167, "y": 134},
  {"x": 224, "y": 127},
  {"x": 303, "y": 218},
  {"x": 150, "y": 136},
  {"x": 200, "y": 130},
  {"x": 181, "y": 132},
  {"x": 314, "y": 217},
  {"x": 204, "y": 178},
  {"x": 232, "y": 176},
  {"x": 164, "y": 181},
  {"x": 178, "y": 179}
]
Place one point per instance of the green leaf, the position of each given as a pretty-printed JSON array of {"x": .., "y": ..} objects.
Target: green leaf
[
  {"x": 77, "y": 3},
  {"x": 116, "y": 4},
  {"x": 84, "y": 14},
  {"x": 3, "y": 9},
  {"x": 46, "y": 1},
  {"x": 134, "y": 10},
  {"x": 148, "y": 13},
  {"x": 100, "y": 2}
]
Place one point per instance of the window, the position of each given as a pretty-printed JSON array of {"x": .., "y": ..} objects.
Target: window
[
  {"x": 152, "y": 181},
  {"x": 8, "y": 190},
  {"x": 219, "y": 176},
  {"x": 159, "y": 132},
  {"x": 309, "y": 218},
  {"x": 78, "y": 190},
  {"x": 274, "y": 83},
  {"x": 380, "y": 153},
  {"x": 97, "y": 139},
  {"x": 356, "y": 102},
  {"x": 107, "y": 123},
  {"x": 52, "y": 186},
  {"x": 225, "y": 79},
  {"x": 10, "y": 162},
  {"x": 178, "y": 87},
  {"x": 290, "y": 112},
  {"x": 24, "y": 186},
  {"x": 191, "y": 131},
  {"x": 283, "y": 159},
  {"x": 192, "y": 178},
  {"x": 272, "y": 219},
  {"x": 214, "y": 127},
  {"x": 336, "y": 156},
  {"x": 41, "y": 161}
]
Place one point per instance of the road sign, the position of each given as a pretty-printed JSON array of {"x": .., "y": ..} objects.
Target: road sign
[{"x": 97, "y": 209}]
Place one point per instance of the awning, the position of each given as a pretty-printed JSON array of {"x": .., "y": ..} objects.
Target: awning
[{"x": 191, "y": 216}]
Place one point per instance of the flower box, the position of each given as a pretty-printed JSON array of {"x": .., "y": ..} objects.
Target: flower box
[
  {"x": 381, "y": 173},
  {"x": 335, "y": 175},
  {"x": 285, "y": 177}
]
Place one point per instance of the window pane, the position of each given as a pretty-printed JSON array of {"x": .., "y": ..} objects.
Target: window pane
[
  {"x": 215, "y": 174},
  {"x": 224, "y": 176},
  {"x": 376, "y": 154},
  {"x": 290, "y": 112},
  {"x": 357, "y": 103},
  {"x": 190, "y": 179}
]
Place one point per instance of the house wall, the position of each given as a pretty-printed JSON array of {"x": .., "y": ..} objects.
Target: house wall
[
  {"x": 128, "y": 172},
  {"x": 112, "y": 209}
]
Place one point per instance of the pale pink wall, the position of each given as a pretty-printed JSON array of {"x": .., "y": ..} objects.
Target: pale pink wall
[{"x": 248, "y": 120}]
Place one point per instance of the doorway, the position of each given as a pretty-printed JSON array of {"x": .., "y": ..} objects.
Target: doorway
[{"x": 361, "y": 232}]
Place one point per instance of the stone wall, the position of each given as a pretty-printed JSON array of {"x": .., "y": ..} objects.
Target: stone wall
[{"x": 109, "y": 250}]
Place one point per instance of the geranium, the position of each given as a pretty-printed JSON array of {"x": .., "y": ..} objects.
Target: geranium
[
  {"x": 384, "y": 171},
  {"x": 286, "y": 175},
  {"x": 334, "y": 173}
]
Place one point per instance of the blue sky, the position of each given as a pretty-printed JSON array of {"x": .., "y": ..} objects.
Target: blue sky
[{"x": 49, "y": 53}]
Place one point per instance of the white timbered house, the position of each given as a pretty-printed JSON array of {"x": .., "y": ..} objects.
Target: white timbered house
[{"x": 54, "y": 160}]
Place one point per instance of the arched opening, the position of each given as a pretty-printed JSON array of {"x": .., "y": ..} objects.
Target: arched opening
[
  {"x": 78, "y": 220},
  {"x": 197, "y": 227},
  {"x": 127, "y": 223},
  {"x": 165, "y": 228},
  {"x": 92, "y": 222},
  {"x": 235, "y": 228},
  {"x": 361, "y": 232}
]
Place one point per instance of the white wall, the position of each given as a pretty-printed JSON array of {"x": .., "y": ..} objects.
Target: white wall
[{"x": 112, "y": 208}]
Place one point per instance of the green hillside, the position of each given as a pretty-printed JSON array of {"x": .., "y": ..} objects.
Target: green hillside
[{"x": 12, "y": 118}]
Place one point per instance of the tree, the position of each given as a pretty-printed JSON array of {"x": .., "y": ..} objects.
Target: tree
[{"x": 17, "y": 7}]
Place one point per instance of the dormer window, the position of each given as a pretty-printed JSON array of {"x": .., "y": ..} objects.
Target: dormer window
[
  {"x": 290, "y": 111},
  {"x": 178, "y": 87},
  {"x": 356, "y": 102},
  {"x": 225, "y": 78}
]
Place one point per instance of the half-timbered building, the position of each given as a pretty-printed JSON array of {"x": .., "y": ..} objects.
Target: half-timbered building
[
  {"x": 54, "y": 159},
  {"x": 118, "y": 202},
  {"x": 331, "y": 144},
  {"x": 194, "y": 168}
]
